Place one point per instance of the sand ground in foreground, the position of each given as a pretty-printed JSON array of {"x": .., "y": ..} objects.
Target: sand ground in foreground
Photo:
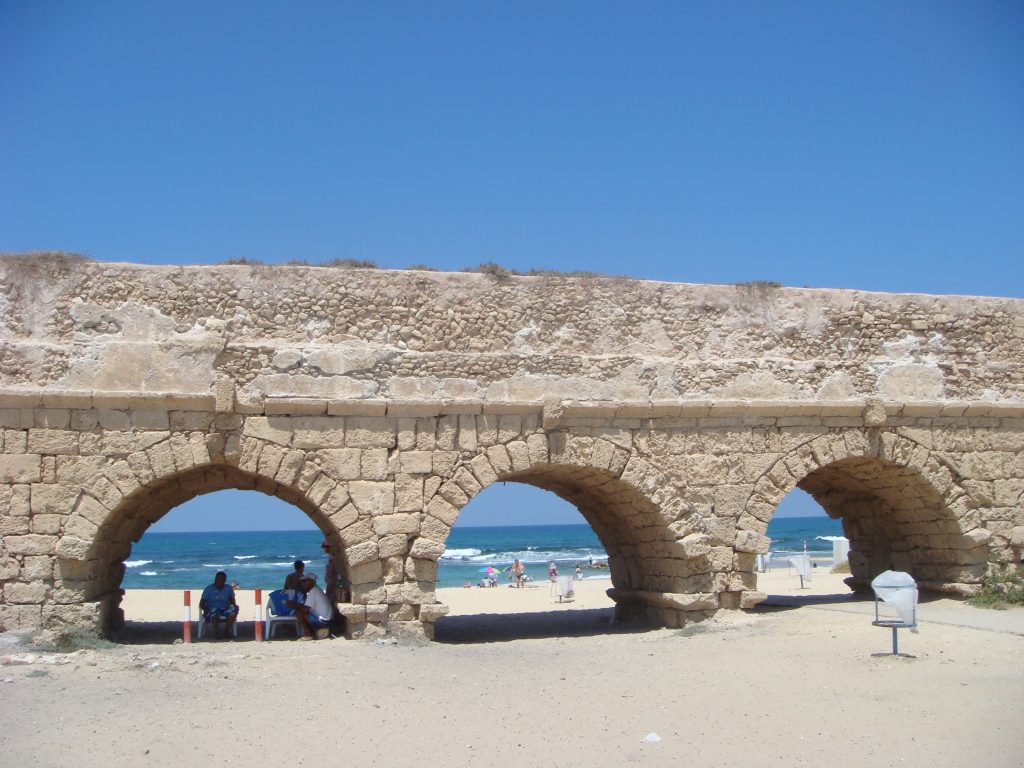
[{"x": 778, "y": 686}]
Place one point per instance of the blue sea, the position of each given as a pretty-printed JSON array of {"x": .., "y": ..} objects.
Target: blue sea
[{"x": 263, "y": 558}]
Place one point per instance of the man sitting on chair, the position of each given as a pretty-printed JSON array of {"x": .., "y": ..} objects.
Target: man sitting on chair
[
  {"x": 313, "y": 613},
  {"x": 218, "y": 602}
]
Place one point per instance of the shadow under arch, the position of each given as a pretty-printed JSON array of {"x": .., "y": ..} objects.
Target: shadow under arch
[
  {"x": 901, "y": 509},
  {"x": 112, "y": 541}
]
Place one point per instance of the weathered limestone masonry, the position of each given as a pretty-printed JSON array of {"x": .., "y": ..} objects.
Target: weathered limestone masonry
[{"x": 675, "y": 417}]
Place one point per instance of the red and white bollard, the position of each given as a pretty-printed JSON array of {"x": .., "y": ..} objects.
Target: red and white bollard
[
  {"x": 259, "y": 617},
  {"x": 187, "y": 619}
]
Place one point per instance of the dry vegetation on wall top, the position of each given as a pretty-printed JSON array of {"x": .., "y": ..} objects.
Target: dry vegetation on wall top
[{"x": 53, "y": 259}]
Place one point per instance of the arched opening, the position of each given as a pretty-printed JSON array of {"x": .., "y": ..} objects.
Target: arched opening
[
  {"x": 896, "y": 519},
  {"x": 612, "y": 522},
  {"x": 254, "y": 538},
  {"x": 802, "y": 529},
  {"x": 215, "y": 499}
]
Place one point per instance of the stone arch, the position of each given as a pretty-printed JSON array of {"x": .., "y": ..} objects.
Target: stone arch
[
  {"x": 657, "y": 551},
  {"x": 902, "y": 507},
  {"x": 98, "y": 535}
]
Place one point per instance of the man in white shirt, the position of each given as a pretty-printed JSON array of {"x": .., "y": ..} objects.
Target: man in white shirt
[{"x": 313, "y": 612}]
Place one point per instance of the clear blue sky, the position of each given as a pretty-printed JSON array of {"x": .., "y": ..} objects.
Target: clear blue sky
[
  {"x": 858, "y": 144},
  {"x": 870, "y": 145}
]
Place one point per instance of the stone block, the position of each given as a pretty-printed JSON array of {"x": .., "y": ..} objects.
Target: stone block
[
  {"x": 519, "y": 455},
  {"x": 750, "y": 598},
  {"x": 499, "y": 458},
  {"x": 400, "y": 613},
  {"x": 374, "y": 464},
  {"x": 421, "y": 570},
  {"x": 224, "y": 396},
  {"x": 337, "y": 500},
  {"x": 538, "y": 448},
  {"x": 80, "y": 527},
  {"x": 44, "y": 523},
  {"x": 24, "y": 468},
  {"x": 342, "y": 518},
  {"x": 467, "y": 437},
  {"x": 363, "y": 432},
  {"x": 361, "y": 553},
  {"x": 432, "y": 528},
  {"x": 393, "y": 544},
  {"x": 18, "y": 592},
  {"x": 31, "y": 544},
  {"x": 68, "y": 547},
  {"x": 408, "y": 493},
  {"x": 352, "y": 612},
  {"x": 394, "y": 570},
  {"x": 273, "y": 429},
  {"x": 753, "y": 542},
  {"x": 483, "y": 471},
  {"x": 53, "y": 441},
  {"x": 366, "y": 573},
  {"x": 117, "y": 420},
  {"x": 316, "y": 432},
  {"x": 11, "y": 525},
  {"x": 427, "y": 549},
  {"x": 416, "y": 462},
  {"x": 376, "y": 612},
  {"x": 10, "y": 568},
  {"x": 342, "y": 463},
  {"x": 373, "y": 498},
  {"x": 368, "y": 594},
  {"x": 386, "y": 525},
  {"x": 696, "y": 545},
  {"x": 444, "y": 462},
  {"x": 433, "y": 611},
  {"x": 443, "y": 511},
  {"x": 151, "y": 419},
  {"x": 37, "y": 568}
]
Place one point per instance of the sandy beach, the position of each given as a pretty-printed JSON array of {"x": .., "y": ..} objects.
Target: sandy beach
[{"x": 517, "y": 677}]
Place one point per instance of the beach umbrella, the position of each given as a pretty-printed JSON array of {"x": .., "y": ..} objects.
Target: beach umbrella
[{"x": 489, "y": 569}]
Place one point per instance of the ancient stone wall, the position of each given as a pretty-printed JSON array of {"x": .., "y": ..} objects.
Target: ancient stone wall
[{"x": 675, "y": 417}]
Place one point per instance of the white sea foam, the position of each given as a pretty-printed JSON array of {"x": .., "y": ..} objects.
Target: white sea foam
[
  {"x": 136, "y": 563},
  {"x": 830, "y": 538},
  {"x": 214, "y": 565},
  {"x": 244, "y": 557},
  {"x": 460, "y": 554},
  {"x": 535, "y": 556},
  {"x": 149, "y": 573}
]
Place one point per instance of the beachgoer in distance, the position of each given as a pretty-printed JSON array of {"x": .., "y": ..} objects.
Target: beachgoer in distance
[
  {"x": 291, "y": 581},
  {"x": 579, "y": 573},
  {"x": 218, "y": 605},
  {"x": 517, "y": 572},
  {"x": 552, "y": 572},
  {"x": 313, "y": 611}
]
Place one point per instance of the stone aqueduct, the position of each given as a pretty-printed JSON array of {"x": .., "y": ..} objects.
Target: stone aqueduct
[{"x": 675, "y": 417}]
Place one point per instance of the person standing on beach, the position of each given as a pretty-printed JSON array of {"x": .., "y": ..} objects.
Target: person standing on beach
[
  {"x": 552, "y": 572},
  {"x": 517, "y": 572},
  {"x": 291, "y": 581},
  {"x": 218, "y": 603}
]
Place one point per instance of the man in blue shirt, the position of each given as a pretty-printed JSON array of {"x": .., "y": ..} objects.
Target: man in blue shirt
[{"x": 217, "y": 604}]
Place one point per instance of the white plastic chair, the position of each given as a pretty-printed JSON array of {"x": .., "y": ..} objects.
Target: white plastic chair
[
  {"x": 566, "y": 589},
  {"x": 274, "y": 620}
]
